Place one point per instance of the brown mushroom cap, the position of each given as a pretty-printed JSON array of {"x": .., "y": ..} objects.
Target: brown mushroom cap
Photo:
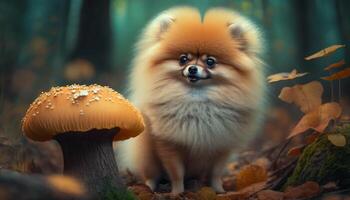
[{"x": 81, "y": 108}]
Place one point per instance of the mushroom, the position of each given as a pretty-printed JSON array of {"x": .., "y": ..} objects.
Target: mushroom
[{"x": 85, "y": 120}]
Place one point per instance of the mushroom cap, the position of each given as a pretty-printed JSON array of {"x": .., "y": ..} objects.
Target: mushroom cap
[{"x": 80, "y": 108}]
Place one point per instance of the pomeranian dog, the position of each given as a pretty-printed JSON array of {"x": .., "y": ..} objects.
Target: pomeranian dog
[{"x": 199, "y": 83}]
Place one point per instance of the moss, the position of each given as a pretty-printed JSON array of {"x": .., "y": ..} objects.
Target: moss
[
  {"x": 119, "y": 195},
  {"x": 112, "y": 193},
  {"x": 323, "y": 162}
]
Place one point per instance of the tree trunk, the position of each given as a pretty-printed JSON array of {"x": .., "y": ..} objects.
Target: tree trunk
[{"x": 94, "y": 35}]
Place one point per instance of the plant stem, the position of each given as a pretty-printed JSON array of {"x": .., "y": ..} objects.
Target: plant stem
[{"x": 339, "y": 90}]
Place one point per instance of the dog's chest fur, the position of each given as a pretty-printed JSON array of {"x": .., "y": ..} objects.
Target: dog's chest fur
[{"x": 199, "y": 125}]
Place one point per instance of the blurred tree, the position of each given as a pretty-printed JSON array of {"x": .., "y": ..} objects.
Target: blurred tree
[
  {"x": 94, "y": 36},
  {"x": 45, "y": 43}
]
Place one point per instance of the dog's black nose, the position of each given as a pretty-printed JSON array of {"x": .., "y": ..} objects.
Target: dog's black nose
[{"x": 192, "y": 70}]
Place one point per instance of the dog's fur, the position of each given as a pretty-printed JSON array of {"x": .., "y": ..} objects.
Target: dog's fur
[{"x": 191, "y": 128}]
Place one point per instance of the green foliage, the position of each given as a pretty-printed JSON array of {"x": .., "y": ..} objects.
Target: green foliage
[
  {"x": 323, "y": 162},
  {"x": 112, "y": 193}
]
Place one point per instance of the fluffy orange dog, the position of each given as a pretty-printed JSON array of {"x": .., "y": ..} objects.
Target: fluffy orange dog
[{"x": 200, "y": 85}]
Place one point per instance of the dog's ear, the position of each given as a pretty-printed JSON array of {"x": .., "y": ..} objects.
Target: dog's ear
[
  {"x": 247, "y": 35},
  {"x": 164, "y": 22}
]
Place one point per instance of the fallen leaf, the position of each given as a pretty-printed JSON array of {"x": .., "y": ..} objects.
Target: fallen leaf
[
  {"x": 249, "y": 175},
  {"x": 232, "y": 196},
  {"x": 311, "y": 138},
  {"x": 232, "y": 167},
  {"x": 145, "y": 196},
  {"x": 318, "y": 119},
  {"x": 295, "y": 151},
  {"x": 338, "y": 140},
  {"x": 330, "y": 186},
  {"x": 307, "y": 190},
  {"x": 140, "y": 188},
  {"x": 223, "y": 197},
  {"x": 324, "y": 52},
  {"x": 229, "y": 183},
  {"x": 252, "y": 189},
  {"x": 335, "y": 65},
  {"x": 262, "y": 162},
  {"x": 285, "y": 76},
  {"x": 270, "y": 195},
  {"x": 339, "y": 75},
  {"x": 306, "y": 96},
  {"x": 207, "y": 193},
  {"x": 66, "y": 185},
  {"x": 190, "y": 195}
]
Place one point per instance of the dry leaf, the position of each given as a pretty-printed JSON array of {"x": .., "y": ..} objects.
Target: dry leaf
[
  {"x": 270, "y": 195},
  {"x": 188, "y": 195},
  {"x": 223, "y": 197},
  {"x": 324, "y": 52},
  {"x": 338, "y": 140},
  {"x": 232, "y": 196},
  {"x": 295, "y": 151},
  {"x": 335, "y": 65},
  {"x": 317, "y": 119},
  {"x": 249, "y": 175},
  {"x": 242, "y": 194},
  {"x": 311, "y": 138},
  {"x": 330, "y": 186},
  {"x": 140, "y": 188},
  {"x": 66, "y": 185},
  {"x": 306, "y": 190},
  {"x": 252, "y": 189},
  {"x": 207, "y": 193},
  {"x": 339, "y": 75},
  {"x": 262, "y": 162},
  {"x": 285, "y": 76},
  {"x": 307, "y": 96},
  {"x": 229, "y": 183},
  {"x": 143, "y": 192}
]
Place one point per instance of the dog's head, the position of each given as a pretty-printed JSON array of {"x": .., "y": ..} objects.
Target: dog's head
[{"x": 180, "y": 49}]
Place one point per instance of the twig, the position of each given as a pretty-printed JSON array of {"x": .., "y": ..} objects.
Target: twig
[
  {"x": 293, "y": 162},
  {"x": 274, "y": 165},
  {"x": 339, "y": 90}
]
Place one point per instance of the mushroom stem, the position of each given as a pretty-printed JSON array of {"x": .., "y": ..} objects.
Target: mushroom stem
[{"x": 88, "y": 156}]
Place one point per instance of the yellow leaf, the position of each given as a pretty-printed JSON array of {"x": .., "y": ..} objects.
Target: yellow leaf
[
  {"x": 307, "y": 96},
  {"x": 285, "y": 76},
  {"x": 249, "y": 175},
  {"x": 339, "y": 75},
  {"x": 318, "y": 119},
  {"x": 338, "y": 140},
  {"x": 66, "y": 185},
  {"x": 207, "y": 193},
  {"x": 335, "y": 65},
  {"x": 324, "y": 52}
]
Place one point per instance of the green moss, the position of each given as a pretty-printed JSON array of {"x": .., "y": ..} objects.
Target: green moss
[
  {"x": 112, "y": 193},
  {"x": 323, "y": 162},
  {"x": 119, "y": 195}
]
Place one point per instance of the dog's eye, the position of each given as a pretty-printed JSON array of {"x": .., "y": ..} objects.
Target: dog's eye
[
  {"x": 183, "y": 59},
  {"x": 211, "y": 62}
]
